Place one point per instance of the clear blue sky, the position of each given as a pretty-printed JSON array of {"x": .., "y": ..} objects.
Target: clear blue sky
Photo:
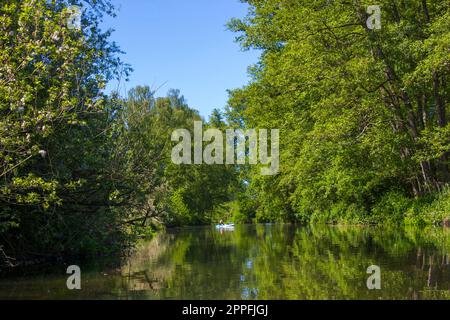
[{"x": 182, "y": 44}]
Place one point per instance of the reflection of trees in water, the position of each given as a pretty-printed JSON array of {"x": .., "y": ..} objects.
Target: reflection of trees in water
[
  {"x": 437, "y": 268},
  {"x": 330, "y": 263},
  {"x": 434, "y": 261},
  {"x": 286, "y": 262},
  {"x": 148, "y": 270}
]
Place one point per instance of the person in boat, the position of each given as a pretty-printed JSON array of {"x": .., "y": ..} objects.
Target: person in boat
[{"x": 221, "y": 222}]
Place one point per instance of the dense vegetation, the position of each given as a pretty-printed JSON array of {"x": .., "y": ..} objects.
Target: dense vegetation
[
  {"x": 54, "y": 150},
  {"x": 83, "y": 173},
  {"x": 363, "y": 115}
]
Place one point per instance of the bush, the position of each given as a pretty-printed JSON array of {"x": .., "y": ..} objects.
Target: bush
[{"x": 391, "y": 207}]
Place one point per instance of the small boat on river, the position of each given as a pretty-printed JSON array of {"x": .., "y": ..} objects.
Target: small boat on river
[{"x": 228, "y": 226}]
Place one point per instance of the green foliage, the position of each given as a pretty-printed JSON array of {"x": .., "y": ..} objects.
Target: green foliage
[
  {"x": 391, "y": 207},
  {"x": 429, "y": 211},
  {"x": 157, "y": 189},
  {"x": 54, "y": 150},
  {"x": 363, "y": 113}
]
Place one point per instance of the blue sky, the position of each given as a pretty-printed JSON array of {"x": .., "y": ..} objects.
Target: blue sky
[{"x": 182, "y": 44}]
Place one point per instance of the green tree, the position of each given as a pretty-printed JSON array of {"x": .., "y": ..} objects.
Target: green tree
[
  {"x": 363, "y": 113},
  {"x": 155, "y": 190},
  {"x": 54, "y": 189}
]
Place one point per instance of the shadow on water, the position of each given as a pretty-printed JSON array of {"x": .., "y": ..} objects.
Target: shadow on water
[{"x": 264, "y": 262}]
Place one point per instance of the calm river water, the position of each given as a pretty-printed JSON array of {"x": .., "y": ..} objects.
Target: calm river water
[{"x": 262, "y": 262}]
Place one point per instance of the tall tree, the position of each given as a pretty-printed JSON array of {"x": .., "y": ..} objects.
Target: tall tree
[
  {"x": 363, "y": 112},
  {"x": 53, "y": 124}
]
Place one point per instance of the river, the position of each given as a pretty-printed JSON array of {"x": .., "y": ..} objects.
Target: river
[{"x": 266, "y": 261}]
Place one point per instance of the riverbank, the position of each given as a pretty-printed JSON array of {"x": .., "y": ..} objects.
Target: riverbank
[
  {"x": 393, "y": 208},
  {"x": 396, "y": 210}
]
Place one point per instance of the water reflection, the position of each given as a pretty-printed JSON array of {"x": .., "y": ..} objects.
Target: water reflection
[{"x": 267, "y": 262}]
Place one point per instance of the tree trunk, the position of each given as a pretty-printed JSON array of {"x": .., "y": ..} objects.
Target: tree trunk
[
  {"x": 425, "y": 11},
  {"x": 432, "y": 273},
  {"x": 440, "y": 105}
]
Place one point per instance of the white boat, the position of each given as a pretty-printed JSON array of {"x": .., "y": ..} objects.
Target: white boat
[{"x": 228, "y": 226}]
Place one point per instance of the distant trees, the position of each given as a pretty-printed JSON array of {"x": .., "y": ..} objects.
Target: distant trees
[{"x": 160, "y": 190}]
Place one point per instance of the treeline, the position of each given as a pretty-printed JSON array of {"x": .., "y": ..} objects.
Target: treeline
[
  {"x": 363, "y": 112},
  {"x": 158, "y": 191}
]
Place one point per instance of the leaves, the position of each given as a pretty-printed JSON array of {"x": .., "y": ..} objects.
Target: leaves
[{"x": 360, "y": 111}]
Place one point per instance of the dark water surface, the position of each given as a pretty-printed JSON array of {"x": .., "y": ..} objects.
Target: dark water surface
[{"x": 263, "y": 262}]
